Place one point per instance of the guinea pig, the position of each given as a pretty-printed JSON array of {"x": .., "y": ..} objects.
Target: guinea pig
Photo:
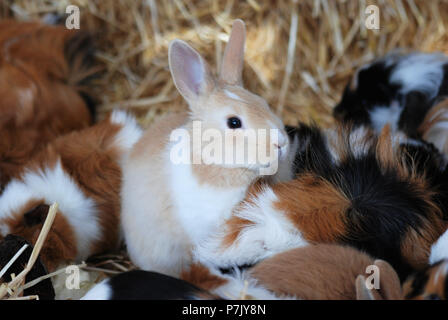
[
  {"x": 146, "y": 285},
  {"x": 397, "y": 89},
  {"x": 352, "y": 187},
  {"x": 428, "y": 284},
  {"x": 434, "y": 128},
  {"x": 325, "y": 272},
  {"x": 44, "y": 73},
  {"x": 81, "y": 171},
  {"x": 197, "y": 282}
]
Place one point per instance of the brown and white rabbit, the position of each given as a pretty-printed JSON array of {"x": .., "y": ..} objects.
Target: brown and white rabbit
[
  {"x": 167, "y": 206},
  {"x": 81, "y": 171},
  {"x": 352, "y": 187},
  {"x": 43, "y": 74}
]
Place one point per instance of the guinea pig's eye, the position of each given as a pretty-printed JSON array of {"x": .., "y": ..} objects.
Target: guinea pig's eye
[{"x": 234, "y": 123}]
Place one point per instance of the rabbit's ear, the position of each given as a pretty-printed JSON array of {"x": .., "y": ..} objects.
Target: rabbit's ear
[
  {"x": 362, "y": 292},
  {"x": 390, "y": 287},
  {"x": 190, "y": 72},
  {"x": 233, "y": 59}
]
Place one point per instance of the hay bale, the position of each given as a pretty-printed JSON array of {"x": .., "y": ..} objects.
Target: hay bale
[{"x": 330, "y": 41}]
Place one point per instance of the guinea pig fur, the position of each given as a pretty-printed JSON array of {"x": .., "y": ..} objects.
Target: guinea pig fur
[
  {"x": 44, "y": 72},
  {"x": 397, "y": 89},
  {"x": 434, "y": 128},
  {"x": 428, "y": 284},
  {"x": 80, "y": 171},
  {"x": 146, "y": 285},
  {"x": 319, "y": 272}
]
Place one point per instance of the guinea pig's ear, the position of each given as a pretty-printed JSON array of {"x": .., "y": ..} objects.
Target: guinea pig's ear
[
  {"x": 190, "y": 72},
  {"x": 233, "y": 60},
  {"x": 390, "y": 286},
  {"x": 36, "y": 216}
]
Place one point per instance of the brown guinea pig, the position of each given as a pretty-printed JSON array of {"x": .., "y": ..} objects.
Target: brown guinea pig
[
  {"x": 323, "y": 272},
  {"x": 81, "y": 171},
  {"x": 44, "y": 71}
]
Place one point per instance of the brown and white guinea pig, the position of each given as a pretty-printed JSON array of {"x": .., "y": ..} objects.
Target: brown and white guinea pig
[
  {"x": 82, "y": 172},
  {"x": 352, "y": 187},
  {"x": 44, "y": 71},
  {"x": 431, "y": 283},
  {"x": 428, "y": 284},
  {"x": 169, "y": 204},
  {"x": 434, "y": 128},
  {"x": 397, "y": 89},
  {"x": 324, "y": 272}
]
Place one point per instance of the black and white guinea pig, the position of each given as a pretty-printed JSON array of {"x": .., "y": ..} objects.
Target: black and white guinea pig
[
  {"x": 146, "y": 285},
  {"x": 397, "y": 89},
  {"x": 196, "y": 282}
]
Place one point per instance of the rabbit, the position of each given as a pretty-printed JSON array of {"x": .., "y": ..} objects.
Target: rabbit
[
  {"x": 169, "y": 206},
  {"x": 352, "y": 187},
  {"x": 428, "y": 284},
  {"x": 397, "y": 89},
  {"x": 323, "y": 272},
  {"x": 44, "y": 73},
  {"x": 82, "y": 172}
]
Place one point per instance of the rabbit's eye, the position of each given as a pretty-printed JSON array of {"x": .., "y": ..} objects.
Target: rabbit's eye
[{"x": 234, "y": 123}]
